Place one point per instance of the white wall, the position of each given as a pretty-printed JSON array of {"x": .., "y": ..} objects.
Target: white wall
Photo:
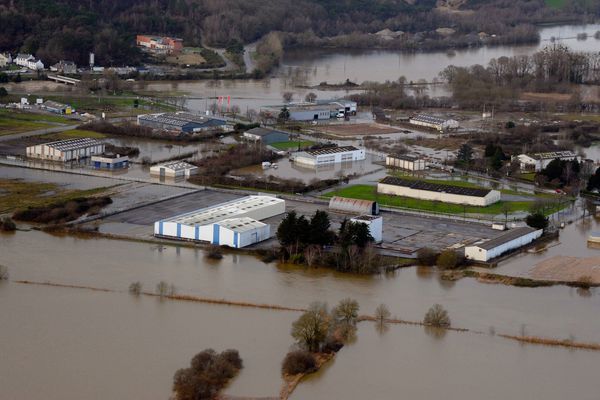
[
  {"x": 417, "y": 165},
  {"x": 375, "y": 227},
  {"x": 492, "y": 197},
  {"x": 478, "y": 254}
]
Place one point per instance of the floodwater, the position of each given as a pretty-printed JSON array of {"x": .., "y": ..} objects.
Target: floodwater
[{"x": 66, "y": 180}]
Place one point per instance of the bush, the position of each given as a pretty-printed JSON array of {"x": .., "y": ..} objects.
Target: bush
[
  {"x": 214, "y": 252},
  {"x": 61, "y": 212},
  {"x": 437, "y": 316},
  {"x": 585, "y": 282},
  {"x": 7, "y": 225},
  {"x": 427, "y": 256},
  {"x": 163, "y": 289},
  {"x": 537, "y": 220},
  {"x": 448, "y": 259},
  {"x": 299, "y": 362},
  {"x": 135, "y": 288}
]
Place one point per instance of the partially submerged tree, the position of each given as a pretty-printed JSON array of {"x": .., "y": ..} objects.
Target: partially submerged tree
[
  {"x": 135, "y": 288},
  {"x": 437, "y": 316},
  {"x": 311, "y": 328},
  {"x": 448, "y": 259},
  {"x": 346, "y": 311},
  {"x": 382, "y": 313},
  {"x": 299, "y": 362}
]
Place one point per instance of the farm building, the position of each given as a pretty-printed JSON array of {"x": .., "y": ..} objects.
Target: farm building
[
  {"x": 110, "y": 161},
  {"x": 174, "y": 169},
  {"x": 422, "y": 190},
  {"x": 375, "y": 224},
  {"x": 538, "y": 161},
  {"x": 512, "y": 239},
  {"x": 57, "y": 108},
  {"x": 354, "y": 206},
  {"x": 66, "y": 150},
  {"x": 182, "y": 122},
  {"x": 437, "y": 123},
  {"x": 329, "y": 155},
  {"x": 234, "y": 223},
  {"x": 266, "y": 136},
  {"x": 404, "y": 161}
]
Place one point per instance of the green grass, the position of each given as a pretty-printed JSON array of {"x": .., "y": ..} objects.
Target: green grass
[
  {"x": 13, "y": 121},
  {"x": 291, "y": 144},
  {"x": 528, "y": 176},
  {"x": 74, "y": 134},
  {"x": 368, "y": 192}
]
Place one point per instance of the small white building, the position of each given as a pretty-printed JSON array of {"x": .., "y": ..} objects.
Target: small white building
[
  {"x": 240, "y": 232},
  {"x": 375, "y": 224},
  {"x": 329, "y": 155},
  {"x": 405, "y": 161},
  {"x": 66, "y": 150},
  {"x": 23, "y": 59},
  {"x": 5, "y": 59},
  {"x": 35, "y": 65},
  {"x": 422, "y": 190},
  {"x": 348, "y": 107},
  {"x": 437, "y": 123},
  {"x": 110, "y": 161},
  {"x": 174, "y": 169},
  {"x": 512, "y": 239},
  {"x": 538, "y": 161},
  {"x": 233, "y": 217}
]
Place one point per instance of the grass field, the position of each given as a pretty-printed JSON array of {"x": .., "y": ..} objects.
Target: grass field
[
  {"x": 17, "y": 194},
  {"x": 368, "y": 192},
  {"x": 291, "y": 144},
  {"x": 13, "y": 121},
  {"x": 74, "y": 134},
  {"x": 111, "y": 104}
]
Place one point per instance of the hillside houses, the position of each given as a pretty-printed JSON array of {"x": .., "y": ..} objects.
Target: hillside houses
[
  {"x": 64, "y": 67},
  {"x": 5, "y": 59},
  {"x": 29, "y": 61}
]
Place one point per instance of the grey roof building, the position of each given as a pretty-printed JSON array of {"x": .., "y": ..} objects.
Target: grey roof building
[{"x": 266, "y": 136}]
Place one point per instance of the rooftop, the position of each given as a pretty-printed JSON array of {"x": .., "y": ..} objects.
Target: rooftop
[
  {"x": 224, "y": 211},
  {"x": 331, "y": 150},
  {"x": 435, "y": 187},
  {"x": 263, "y": 131},
  {"x": 509, "y": 236},
  {"x": 405, "y": 157},
  {"x": 366, "y": 218},
  {"x": 74, "y": 144},
  {"x": 240, "y": 225},
  {"x": 346, "y": 200},
  {"x": 181, "y": 119},
  {"x": 429, "y": 119},
  {"x": 54, "y": 104},
  {"x": 552, "y": 155},
  {"x": 177, "y": 165}
]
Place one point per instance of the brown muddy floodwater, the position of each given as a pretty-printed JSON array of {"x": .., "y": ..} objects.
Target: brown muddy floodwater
[{"x": 63, "y": 343}]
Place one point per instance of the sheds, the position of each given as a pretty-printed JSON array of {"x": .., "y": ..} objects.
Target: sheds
[
  {"x": 437, "y": 123},
  {"x": 239, "y": 216},
  {"x": 538, "y": 161},
  {"x": 512, "y": 239},
  {"x": 354, "y": 206},
  {"x": 266, "y": 136},
  {"x": 110, "y": 161},
  {"x": 422, "y": 190},
  {"x": 375, "y": 224},
  {"x": 407, "y": 162},
  {"x": 174, "y": 169},
  {"x": 329, "y": 155},
  {"x": 66, "y": 150}
]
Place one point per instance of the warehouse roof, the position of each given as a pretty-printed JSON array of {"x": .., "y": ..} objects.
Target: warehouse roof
[
  {"x": 505, "y": 238},
  {"x": 55, "y": 105},
  {"x": 73, "y": 144},
  {"x": 435, "y": 187},
  {"x": 240, "y": 225},
  {"x": 366, "y": 218},
  {"x": 405, "y": 157},
  {"x": 430, "y": 119},
  {"x": 181, "y": 119},
  {"x": 331, "y": 150},
  {"x": 223, "y": 211},
  {"x": 552, "y": 155},
  {"x": 176, "y": 165},
  {"x": 264, "y": 131}
]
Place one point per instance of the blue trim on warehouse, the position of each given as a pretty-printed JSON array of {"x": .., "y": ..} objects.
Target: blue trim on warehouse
[
  {"x": 178, "y": 230},
  {"x": 160, "y": 228},
  {"x": 197, "y": 233},
  {"x": 235, "y": 239},
  {"x": 216, "y": 229}
]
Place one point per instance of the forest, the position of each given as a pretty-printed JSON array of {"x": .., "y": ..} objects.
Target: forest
[{"x": 70, "y": 29}]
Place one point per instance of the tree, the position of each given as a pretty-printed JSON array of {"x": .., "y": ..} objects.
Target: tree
[
  {"x": 299, "y": 362},
  {"x": 135, "y": 288},
  {"x": 311, "y": 328},
  {"x": 3, "y": 92},
  {"x": 448, "y": 259},
  {"x": 7, "y": 225},
  {"x": 426, "y": 256},
  {"x": 310, "y": 97},
  {"x": 288, "y": 96},
  {"x": 284, "y": 115},
  {"x": 320, "y": 233},
  {"x": 346, "y": 311},
  {"x": 465, "y": 154},
  {"x": 354, "y": 233},
  {"x": 382, "y": 313},
  {"x": 287, "y": 233},
  {"x": 163, "y": 289},
  {"x": 537, "y": 220},
  {"x": 3, "y": 273},
  {"x": 437, "y": 316},
  {"x": 594, "y": 181}
]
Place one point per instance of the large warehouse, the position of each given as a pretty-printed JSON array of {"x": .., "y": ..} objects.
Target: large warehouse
[
  {"x": 234, "y": 223},
  {"x": 266, "y": 136},
  {"x": 329, "y": 155},
  {"x": 538, "y": 161},
  {"x": 437, "y": 123},
  {"x": 405, "y": 161},
  {"x": 182, "y": 122},
  {"x": 513, "y": 239},
  {"x": 422, "y": 190},
  {"x": 66, "y": 150}
]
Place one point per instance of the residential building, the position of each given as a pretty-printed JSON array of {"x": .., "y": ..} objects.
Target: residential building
[
  {"x": 329, "y": 155},
  {"x": 174, "y": 169},
  {"x": 159, "y": 44},
  {"x": 437, "y": 123},
  {"x": 66, "y": 150},
  {"x": 405, "y": 161},
  {"x": 418, "y": 189},
  {"x": 266, "y": 136},
  {"x": 182, "y": 122},
  {"x": 35, "y": 65},
  {"x": 234, "y": 223},
  {"x": 110, "y": 161},
  {"x": 538, "y": 161},
  {"x": 57, "y": 108},
  {"x": 64, "y": 67},
  {"x": 512, "y": 239},
  {"x": 375, "y": 224},
  {"x": 23, "y": 59},
  {"x": 353, "y": 206},
  {"x": 5, "y": 59}
]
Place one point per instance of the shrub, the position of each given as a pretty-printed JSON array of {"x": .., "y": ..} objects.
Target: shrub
[
  {"x": 437, "y": 316},
  {"x": 448, "y": 259},
  {"x": 299, "y": 362},
  {"x": 585, "y": 282},
  {"x": 7, "y": 225},
  {"x": 426, "y": 256},
  {"x": 537, "y": 220},
  {"x": 214, "y": 252},
  {"x": 163, "y": 289},
  {"x": 3, "y": 273},
  {"x": 135, "y": 288}
]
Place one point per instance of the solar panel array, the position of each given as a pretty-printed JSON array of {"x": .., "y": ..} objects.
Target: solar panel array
[{"x": 435, "y": 187}]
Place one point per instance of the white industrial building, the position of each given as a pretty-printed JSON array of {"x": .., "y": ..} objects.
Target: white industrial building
[
  {"x": 234, "y": 223},
  {"x": 437, "y": 123},
  {"x": 354, "y": 206},
  {"x": 110, "y": 161},
  {"x": 329, "y": 155},
  {"x": 512, "y": 239},
  {"x": 538, "y": 161},
  {"x": 423, "y": 190},
  {"x": 375, "y": 224},
  {"x": 407, "y": 162},
  {"x": 174, "y": 169},
  {"x": 66, "y": 150}
]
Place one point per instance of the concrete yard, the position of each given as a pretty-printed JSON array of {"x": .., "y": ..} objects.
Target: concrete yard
[{"x": 402, "y": 234}]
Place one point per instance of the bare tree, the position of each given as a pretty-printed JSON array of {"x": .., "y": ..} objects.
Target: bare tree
[
  {"x": 310, "y": 330},
  {"x": 310, "y": 97},
  {"x": 346, "y": 311},
  {"x": 382, "y": 313},
  {"x": 437, "y": 316},
  {"x": 288, "y": 97}
]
